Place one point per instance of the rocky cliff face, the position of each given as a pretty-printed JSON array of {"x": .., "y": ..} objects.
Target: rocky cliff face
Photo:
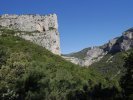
[
  {"x": 89, "y": 56},
  {"x": 42, "y": 30},
  {"x": 122, "y": 43}
]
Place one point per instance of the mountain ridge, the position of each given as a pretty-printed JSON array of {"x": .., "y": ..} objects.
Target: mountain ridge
[{"x": 90, "y": 55}]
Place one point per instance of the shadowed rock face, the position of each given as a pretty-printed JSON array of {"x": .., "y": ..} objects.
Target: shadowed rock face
[
  {"x": 43, "y": 30},
  {"x": 92, "y": 55}
]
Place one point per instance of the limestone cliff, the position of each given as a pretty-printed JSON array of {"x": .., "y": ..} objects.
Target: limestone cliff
[
  {"x": 89, "y": 56},
  {"x": 42, "y": 30}
]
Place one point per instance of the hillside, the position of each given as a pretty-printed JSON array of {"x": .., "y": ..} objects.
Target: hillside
[
  {"x": 81, "y": 54},
  {"x": 30, "y": 72},
  {"x": 111, "y": 65}
]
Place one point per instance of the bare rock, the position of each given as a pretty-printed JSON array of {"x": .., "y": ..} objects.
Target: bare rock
[{"x": 42, "y": 30}]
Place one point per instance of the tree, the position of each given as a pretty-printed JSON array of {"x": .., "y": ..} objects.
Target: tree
[{"x": 127, "y": 79}]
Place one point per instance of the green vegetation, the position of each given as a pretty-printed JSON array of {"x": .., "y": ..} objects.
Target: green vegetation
[
  {"x": 51, "y": 28},
  {"x": 81, "y": 54},
  {"x": 6, "y": 32},
  {"x": 30, "y": 72},
  {"x": 127, "y": 79},
  {"x": 111, "y": 65}
]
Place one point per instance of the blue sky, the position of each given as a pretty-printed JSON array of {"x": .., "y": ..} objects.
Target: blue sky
[{"x": 82, "y": 23}]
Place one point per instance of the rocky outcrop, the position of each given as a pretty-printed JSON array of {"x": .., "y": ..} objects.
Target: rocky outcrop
[
  {"x": 74, "y": 60},
  {"x": 92, "y": 55},
  {"x": 42, "y": 30},
  {"x": 122, "y": 43}
]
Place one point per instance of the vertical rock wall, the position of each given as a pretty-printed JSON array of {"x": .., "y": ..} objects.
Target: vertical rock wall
[{"x": 39, "y": 29}]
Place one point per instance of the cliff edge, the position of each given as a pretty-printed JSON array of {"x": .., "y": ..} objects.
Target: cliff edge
[{"x": 39, "y": 29}]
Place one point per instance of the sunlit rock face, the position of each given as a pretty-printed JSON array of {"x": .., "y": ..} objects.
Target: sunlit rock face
[{"x": 40, "y": 29}]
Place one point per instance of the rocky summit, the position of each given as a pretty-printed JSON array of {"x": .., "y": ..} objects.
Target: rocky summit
[
  {"x": 39, "y": 29},
  {"x": 90, "y": 55}
]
